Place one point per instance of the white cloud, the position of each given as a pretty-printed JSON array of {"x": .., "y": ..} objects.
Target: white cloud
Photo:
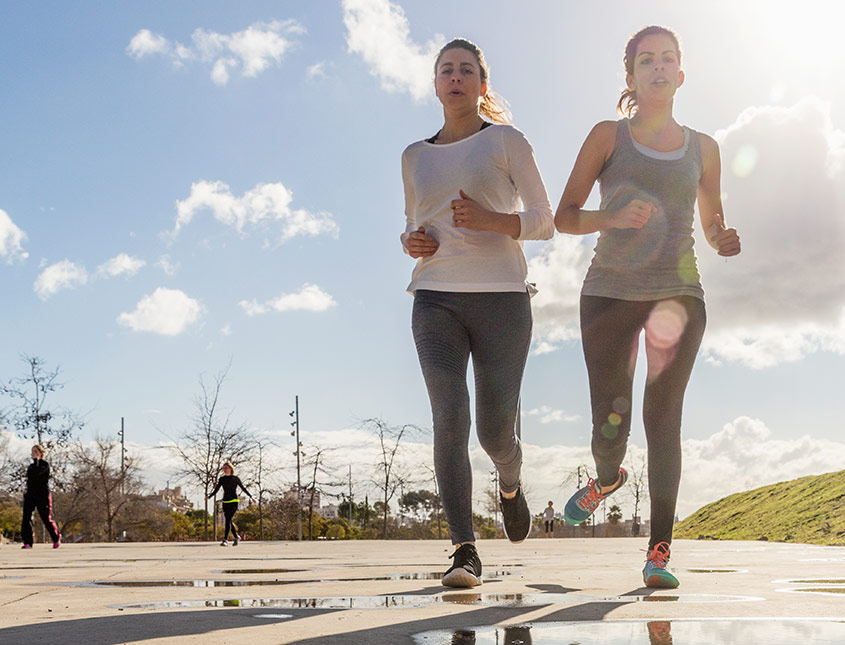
[
  {"x": 315, "y": 71},
  {"x": 58, "y": 276},
  {"x": 11, "y": 238},
  {"x": 264, "y": 203},
  {"x": 146, "y": 42},
  {"x": 378, "y": 30},
  {"x": 226, "y": 330},
  {"x": 119, "y": 265},
  {"x": 783, "y": 297},
  {"x": 166, "y": 264},
  {"x": 309, "y": 298},
  {"x": 251, "y": 50},
  {"x": 168, "y": 312},
  {"x": 558, "y": 271},
  {"x": 549, "y": 415}
]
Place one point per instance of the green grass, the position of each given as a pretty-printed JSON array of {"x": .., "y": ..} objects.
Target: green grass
[{"x": 809, "y": 510}]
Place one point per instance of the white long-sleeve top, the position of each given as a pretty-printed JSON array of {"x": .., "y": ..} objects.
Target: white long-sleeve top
[{"x": 496, "y": 167}]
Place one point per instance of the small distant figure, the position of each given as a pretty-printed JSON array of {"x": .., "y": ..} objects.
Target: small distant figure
[
  {"x": 37, "y": 495},
  {"x": 549, "y": 519},
  {"x": 230, "y": 483}
]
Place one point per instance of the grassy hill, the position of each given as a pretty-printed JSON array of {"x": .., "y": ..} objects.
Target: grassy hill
[{"x": 810, "y": 510}]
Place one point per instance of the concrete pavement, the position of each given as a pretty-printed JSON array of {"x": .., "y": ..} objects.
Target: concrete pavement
[{"x": 541, "y": 591}]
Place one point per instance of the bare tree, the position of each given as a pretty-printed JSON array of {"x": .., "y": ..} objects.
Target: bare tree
[
  {"x": 211, "y": 441},
  {"x": 577, "y": 476},
  {"x": 386, "y": 478},
  {"x": 107, "y": 486},
  {"x": 30, "y": 415},
  {"x": 8, "y": 465},
  {"x": 262, "y": 476},
  {"x": 637, "y": 488},
  {"x": 314, "y": 461},
  {"x": 432, "y": 476}
]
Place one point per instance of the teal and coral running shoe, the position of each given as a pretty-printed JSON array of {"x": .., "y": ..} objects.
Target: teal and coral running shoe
[
  {"x": 584, "y": 502},
  {"x": 654, "y": 571}
]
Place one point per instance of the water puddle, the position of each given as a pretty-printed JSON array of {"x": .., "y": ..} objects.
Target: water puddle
[
  {"x": 822, "y": 586},
  {"x": 397, "y": 601},
  {"x": 648, "y": 632},
  {"x": 716, "y": 570},
  {"x": 426, "y": 575}
]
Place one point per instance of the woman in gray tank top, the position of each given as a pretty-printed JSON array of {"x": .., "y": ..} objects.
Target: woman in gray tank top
[{"x": 643, "y": 276}]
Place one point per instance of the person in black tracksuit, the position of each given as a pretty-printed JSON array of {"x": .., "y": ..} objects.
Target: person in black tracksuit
[
  {"x": 230, "y": 483},
  {"x": 37, "y": 495}
]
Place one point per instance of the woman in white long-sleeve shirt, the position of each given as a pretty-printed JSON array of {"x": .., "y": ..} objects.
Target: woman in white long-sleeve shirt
[{"x": 472, "y": 194}]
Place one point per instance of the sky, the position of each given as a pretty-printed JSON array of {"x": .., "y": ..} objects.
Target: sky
[{"x": 192, "y": 185}]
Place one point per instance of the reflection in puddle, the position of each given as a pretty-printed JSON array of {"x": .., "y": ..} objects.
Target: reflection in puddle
[
  {"x": 260, "y": 583},
  {"x": 190, "y": 583},
  {"x": 400, "y": 601},
  {"x": 276, "y": 616},
  {"x": 256, "y": 571},
  {"x": 427, "y": 575},
  {"x": 825, "y": 591},
  {"x": 61, "y": 566},
  {"x": 642, "y": 632}
]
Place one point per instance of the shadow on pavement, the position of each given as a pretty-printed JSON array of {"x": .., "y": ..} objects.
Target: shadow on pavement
[{"x": 129, "y": 628}]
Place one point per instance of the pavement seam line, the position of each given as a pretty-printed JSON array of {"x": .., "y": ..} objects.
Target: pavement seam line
[{"x": 34, "y": 593}]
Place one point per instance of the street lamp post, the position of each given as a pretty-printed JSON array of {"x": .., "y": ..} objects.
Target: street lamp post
[
  {"x": 295, "y": 423},
  {"x": 122, "y": 434}
]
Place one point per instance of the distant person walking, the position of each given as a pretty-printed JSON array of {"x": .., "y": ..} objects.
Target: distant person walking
[
  {"x": 549, "y": 520},
  {"x": 472, "y": 194},
  {"x": 37, "y": 496},
  {"x": 643, "y": 276},
  {"x": 230, "y": 482}
]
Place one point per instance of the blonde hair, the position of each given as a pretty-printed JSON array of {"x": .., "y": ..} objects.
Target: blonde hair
[
  {"x": 493, "y": 105},
  {"x": 230, "y": 465},
  {"x": 627, "y": 105},
  {"x": 40, "y": 449}
]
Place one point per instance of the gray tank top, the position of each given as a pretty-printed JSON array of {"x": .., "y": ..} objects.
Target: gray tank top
[{"x": 658, "y": 260}]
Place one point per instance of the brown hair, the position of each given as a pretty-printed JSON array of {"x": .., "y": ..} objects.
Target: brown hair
[
  {"x": 230, "y": 465},
  {"x": 493, "y": 105},
  {"x": 40, "y": 449},
  {"x": 627, "y": 105}
]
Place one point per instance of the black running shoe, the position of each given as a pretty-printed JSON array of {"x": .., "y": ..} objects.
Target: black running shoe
[
  {"x": 516, "y": 518},
  {"x": 466, "y": 568}
]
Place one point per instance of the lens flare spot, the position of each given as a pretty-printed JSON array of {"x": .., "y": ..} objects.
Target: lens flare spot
[
  {"x": 621, "y": 405},
  {"x": 666, "y": 324},
  {"x": 777, "y": 93},
  {"x": 664, "y": 329},
  {"x": 609, "y": 431},
  {"x": 745, "y": 160},
  {"x": 614, "y": 419},
  {"x": 688, "y": 269}
]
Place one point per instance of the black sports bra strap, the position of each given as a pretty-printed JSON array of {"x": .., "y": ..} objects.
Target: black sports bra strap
[{"x": 486, "y": 124}]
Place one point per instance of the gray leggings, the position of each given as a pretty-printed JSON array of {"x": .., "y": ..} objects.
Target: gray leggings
[
  {"x": 495, "y": 329},
  {"x": 610, "y": 331}
]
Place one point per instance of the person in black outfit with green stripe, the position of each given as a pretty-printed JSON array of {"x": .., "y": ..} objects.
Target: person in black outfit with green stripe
[{"x": 230, "y": 483}]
